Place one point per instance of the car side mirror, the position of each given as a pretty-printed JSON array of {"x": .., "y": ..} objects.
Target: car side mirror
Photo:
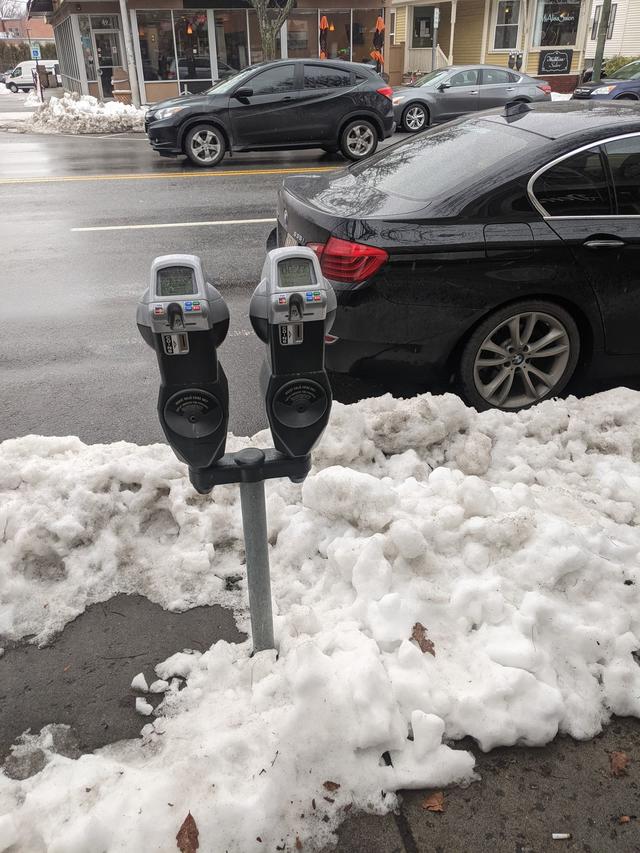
[
  {"x": 444, "y": 86},
  {"x": 243, "y": 93}
]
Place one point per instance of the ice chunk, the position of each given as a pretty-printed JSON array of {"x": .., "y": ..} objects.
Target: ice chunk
[
  {"x": 140, "y": 683},
  {"x": 158, "y": 686},
  {"x": 143, "y": 707}
]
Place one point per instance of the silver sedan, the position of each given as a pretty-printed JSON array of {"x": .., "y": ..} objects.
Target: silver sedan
[{"x": 447, "y": 93}]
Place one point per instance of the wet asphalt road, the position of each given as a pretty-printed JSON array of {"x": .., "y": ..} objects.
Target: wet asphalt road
[{"x": 73, "y": 362}]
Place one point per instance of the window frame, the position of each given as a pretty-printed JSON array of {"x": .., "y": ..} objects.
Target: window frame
[
  {"x": 595, "y": 23},
  {"x": 600, "y": 143},
  {"x": 424, "y": 5},
  {"x": 494, "y": 27}
]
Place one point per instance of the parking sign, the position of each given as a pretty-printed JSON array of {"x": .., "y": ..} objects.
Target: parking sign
[{"x": 35, "y": 52}]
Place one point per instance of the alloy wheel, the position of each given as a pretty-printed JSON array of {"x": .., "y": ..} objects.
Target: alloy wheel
[
  {"x": 360, "y": 140},
  {"x": 522, "y": 360},
  {"x": 205, "y": 146},
  {"x": 414, "y": 118}
]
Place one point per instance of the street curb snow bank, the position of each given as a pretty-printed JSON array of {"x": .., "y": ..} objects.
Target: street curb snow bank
[
  {"x": 73, "y": 113},
  {"x": 513, "y": 539}
]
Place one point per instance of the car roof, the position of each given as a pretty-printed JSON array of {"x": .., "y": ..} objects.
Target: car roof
[
  {"x": 473, "y": 65},
  {"x": 343, "y": 63},
  {"x": 555, "y": 119}
]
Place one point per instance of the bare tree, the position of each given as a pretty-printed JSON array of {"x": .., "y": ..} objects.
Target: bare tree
[
  {"x": 270, "y": 20},
  {"x": 12, "y": 9}
]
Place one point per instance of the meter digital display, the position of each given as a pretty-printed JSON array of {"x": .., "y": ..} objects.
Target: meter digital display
[
  {"x": 176, "y": 281},
  {"x": 296, "y": 272}
]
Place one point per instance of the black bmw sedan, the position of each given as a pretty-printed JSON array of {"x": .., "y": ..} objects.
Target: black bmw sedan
[{"x": 502, "y": 249}]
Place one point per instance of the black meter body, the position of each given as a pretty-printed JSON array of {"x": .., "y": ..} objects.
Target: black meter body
[
  {"x": 185, "y": 319},
  {"x": 291, "y": 310}
]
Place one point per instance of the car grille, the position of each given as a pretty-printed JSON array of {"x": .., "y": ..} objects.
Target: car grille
[{"x": 582, "y": 93}]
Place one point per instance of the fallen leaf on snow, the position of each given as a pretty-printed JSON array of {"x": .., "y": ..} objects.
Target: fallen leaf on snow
[
  {"x": 330, "y": 786},
  {"x": 434, "y": 802},
  {"x": 624, "y": 818},
  {"x": 619, "y": 762},
  {"x": 298, "y": 843},
  {"x": 419, "y": 634},
  {"x": 187, "y": 836}
]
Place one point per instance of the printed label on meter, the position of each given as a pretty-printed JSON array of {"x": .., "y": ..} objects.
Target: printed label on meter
[
  {"x": 175, "y": 344},
  {"x": 291, "y": 333}
]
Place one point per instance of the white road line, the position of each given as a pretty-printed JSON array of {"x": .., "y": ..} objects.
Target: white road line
[{"x": 174, "y": 225}]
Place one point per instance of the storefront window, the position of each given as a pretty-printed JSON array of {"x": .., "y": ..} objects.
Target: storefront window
[
  {"x": 87, "y": 47},
  {"x": 231, "y": 41},
  {"x": 191, "y": 33},
  {"x": 507, "y": 19},
  {"x": 364, "y": 35},
  {"x": 335, "y": 37},
  {"x": 422, "y": 26},
  {"x": 557, "y": 23},
  {"x": 255, "y": 42},
  {"x": 302, "y": 35},
  {"x": 155, "y": 31}
]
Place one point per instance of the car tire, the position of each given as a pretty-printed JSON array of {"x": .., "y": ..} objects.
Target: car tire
[
  {"x": 415, "y": 118},
  {"x": 205, "y": 145},
  {"x": 12, "y": 88},
  {"x": 626, "y": 98},
  {"x": 519, "y": 356},
  {"x": 358, "y": 140}
]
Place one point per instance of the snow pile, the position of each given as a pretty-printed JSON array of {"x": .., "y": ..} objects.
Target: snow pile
[
  {"x": 514, "y": 539},
  {"x": 32, "y": 99},
  {"x": 85, "y": 114},
  {"x": 560, "y": 96}
]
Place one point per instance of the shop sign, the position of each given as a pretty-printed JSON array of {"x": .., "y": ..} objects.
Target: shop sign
[{"x": 555, "y": 61}]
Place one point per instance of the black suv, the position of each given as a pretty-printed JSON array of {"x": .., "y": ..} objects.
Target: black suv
[{"x": 292, "y": 103}]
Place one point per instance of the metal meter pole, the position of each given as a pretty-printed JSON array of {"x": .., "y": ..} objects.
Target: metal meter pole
[{"x": 254, "y": 525}]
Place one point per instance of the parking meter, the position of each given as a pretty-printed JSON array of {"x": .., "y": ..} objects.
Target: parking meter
[
  {"x": 185, "y": 319},
  {"x": 291, "y": 310}
]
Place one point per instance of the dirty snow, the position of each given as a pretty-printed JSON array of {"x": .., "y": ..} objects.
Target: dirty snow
[
  {"x": 74, "y": 113},
  {"x": 513, "y": 538},
  {"x": 560, "y": 96}
]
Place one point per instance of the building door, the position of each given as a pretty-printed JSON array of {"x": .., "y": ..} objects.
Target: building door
[{"x": 107, "y": 51}]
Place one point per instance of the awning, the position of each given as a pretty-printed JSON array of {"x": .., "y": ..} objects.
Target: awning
[{"x": 39, "y": 7}]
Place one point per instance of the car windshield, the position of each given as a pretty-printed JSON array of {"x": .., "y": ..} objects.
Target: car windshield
[
  {"x": 431, "y": 77},
  {"x": 225, "y": 85},
  {"x": 443, "y": 160},
  {"x": 627, "y": 72}
]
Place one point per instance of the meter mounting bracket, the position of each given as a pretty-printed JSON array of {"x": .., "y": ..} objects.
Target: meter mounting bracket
[{"x": 250, "y": 465}]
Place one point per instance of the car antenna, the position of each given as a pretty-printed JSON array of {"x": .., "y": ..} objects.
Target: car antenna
[{"x": 516, "y": 108}]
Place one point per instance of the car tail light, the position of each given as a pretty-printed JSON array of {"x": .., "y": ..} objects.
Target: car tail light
[
  {"x": 330, "y": 339},
  {"x": 387, "y": 91},
  {"x": 546, "y": 88},
  {"x": 352, "y": 263}
]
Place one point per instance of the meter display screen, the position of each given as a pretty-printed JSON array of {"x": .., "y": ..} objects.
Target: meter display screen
[
  {"x": 176, "y": 281},
  {"x": 296, "y": 272}
]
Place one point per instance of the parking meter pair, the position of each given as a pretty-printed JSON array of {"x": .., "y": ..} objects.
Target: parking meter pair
[{"x": 185, "y": 319}]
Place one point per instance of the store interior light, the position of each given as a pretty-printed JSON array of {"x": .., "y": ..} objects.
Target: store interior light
[
  {"x": 331, "y": 27},
  {"x": 189, "y": 29}
]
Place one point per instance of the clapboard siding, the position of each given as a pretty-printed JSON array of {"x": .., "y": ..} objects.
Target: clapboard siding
[{"x": 467, "y": 39}]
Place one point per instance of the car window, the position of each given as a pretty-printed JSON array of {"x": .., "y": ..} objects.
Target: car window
[
  {"x": 431, "y": 77},
  {"x": 627, "y": 72},
  {"x": 325, "y": 77},
  {"x": 492, "y": 76},
  {"x": 420, "y": 168},
  {"x": 624, "y": 161},
  {"x": 464, "y": 78},
  {"x": 576, "y": 186},
  {"x": 273, "y": 81},
  {"x": 17, "y": 72}
]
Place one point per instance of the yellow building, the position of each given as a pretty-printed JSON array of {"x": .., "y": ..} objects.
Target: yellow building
[{"x": 544, "y": 38}]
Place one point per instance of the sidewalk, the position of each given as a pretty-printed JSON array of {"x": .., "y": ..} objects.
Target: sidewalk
[{"x": 13, "y": 112}]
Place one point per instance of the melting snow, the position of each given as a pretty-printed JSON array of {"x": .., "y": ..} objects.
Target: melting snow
[
  {"x": 73, "y": 113},
  {"x": 514, "y": 539}
]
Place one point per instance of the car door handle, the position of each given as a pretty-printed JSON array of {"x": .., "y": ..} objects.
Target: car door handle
[
  {"x": 511, "y": 88},
  {"x": 473, "y": 92},
  {"x": 603, "y": 244}
]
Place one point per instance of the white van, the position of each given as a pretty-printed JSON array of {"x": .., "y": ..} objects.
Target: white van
[{"x": 22, "y": 75}]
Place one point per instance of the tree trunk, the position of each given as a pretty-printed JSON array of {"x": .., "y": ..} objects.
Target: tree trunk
[{"x": 270, "y": 21}]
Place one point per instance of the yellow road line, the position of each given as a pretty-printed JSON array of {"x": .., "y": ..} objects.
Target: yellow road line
[{"x": 155, "y": 176}]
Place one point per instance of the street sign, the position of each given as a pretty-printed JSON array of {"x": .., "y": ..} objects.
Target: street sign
[
  {"x": 35, "y": 52},
  {"x": 436, "y": 18}
]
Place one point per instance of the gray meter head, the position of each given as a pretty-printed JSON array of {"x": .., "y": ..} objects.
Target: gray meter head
[
  {"x": 292, "y": 290},
  {"x": 179, "y": 299}
]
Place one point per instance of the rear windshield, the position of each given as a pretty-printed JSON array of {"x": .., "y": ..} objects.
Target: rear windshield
[{"x": 444, "y": 160}]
